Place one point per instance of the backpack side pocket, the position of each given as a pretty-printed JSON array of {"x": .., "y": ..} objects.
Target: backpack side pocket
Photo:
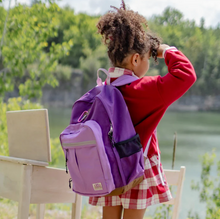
[{"x": 131, "y": 158}]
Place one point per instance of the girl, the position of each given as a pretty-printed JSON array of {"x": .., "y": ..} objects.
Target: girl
[{"x": 130, "y": 47}]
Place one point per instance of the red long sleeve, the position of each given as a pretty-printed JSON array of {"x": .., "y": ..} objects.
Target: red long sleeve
[
  {"x": 149, "y": 97},
  {"x": 180, "y": 78}
]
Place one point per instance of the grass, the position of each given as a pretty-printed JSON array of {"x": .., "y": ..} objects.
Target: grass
[{"x": 8, "y": 210}]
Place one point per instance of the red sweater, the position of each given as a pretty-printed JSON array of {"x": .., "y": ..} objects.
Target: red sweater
[{"x": 149, "y": 97}]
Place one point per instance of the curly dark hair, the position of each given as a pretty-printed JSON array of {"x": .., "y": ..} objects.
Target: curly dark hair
[{"x": 125, "y": 32}]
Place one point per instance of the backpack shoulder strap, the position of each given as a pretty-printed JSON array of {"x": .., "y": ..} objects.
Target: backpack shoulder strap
[{"x": 124, "y": 79}]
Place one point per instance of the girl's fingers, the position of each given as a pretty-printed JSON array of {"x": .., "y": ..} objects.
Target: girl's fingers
[{"x": 160, "y": 50}]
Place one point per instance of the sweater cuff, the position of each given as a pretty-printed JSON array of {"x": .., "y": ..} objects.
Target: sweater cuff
[{"x": 172, "y": 48}]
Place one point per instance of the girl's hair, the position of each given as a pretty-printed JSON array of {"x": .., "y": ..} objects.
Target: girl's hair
[{"x": 125, "y": 32}]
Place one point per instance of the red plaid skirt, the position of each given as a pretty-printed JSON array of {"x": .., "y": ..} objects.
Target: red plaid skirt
[{"x": 152, "y": 190}]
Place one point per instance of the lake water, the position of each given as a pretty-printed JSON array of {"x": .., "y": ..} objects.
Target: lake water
[{"x": 197, "y": 133}]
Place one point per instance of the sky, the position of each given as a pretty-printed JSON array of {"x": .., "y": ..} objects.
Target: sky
[{"x": 191, "y": 9}]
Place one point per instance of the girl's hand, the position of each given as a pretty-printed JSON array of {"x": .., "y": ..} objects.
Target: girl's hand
[{"x": 160, "y": 50}]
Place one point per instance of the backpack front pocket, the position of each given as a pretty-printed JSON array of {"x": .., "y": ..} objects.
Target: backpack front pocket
[{"x": 85, "y": 156}]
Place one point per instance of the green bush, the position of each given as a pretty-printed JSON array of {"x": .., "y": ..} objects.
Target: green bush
[
  {"x": 56, "y": 153},
  {"x": 208, "y": 187}
]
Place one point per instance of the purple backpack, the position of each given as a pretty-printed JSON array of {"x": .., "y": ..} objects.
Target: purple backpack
[{"x": 102, "y": 150}]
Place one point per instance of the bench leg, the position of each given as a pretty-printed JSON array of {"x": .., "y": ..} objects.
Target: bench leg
[
  {"x": 40, "y": 211},
  {"x": 25, "y": 192},
  {"x": 77, "y": 207}
]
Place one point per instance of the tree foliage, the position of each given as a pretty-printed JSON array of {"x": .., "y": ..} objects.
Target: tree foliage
[
  {"x": 48, "y": 35},
  {"x": 208, "y": 187},
  {"x": 28, "y": 29},
  {"x": 27, "y": 62},
  {"x": 81, "y": 29},
  {"x": 200, "y": 44}
]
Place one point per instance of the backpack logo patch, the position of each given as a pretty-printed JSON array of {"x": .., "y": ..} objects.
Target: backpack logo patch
[{"x": 97, "y": 186}]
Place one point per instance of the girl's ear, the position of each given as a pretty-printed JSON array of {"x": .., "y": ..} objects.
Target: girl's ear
[{"x": 135, "y": 59}]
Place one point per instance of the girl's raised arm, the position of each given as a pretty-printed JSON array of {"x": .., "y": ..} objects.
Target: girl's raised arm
[{"x": 180, "y": 77}]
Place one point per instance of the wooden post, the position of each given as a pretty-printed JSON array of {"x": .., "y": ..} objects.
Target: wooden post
[
  {"x": 25, "y": 192},
  {"x": 179, "y": 193},
  {"x": 76, "y": 207},
  {"x": 40, "y": 211}
]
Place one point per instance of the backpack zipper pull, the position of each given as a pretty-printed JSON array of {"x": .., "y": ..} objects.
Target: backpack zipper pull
[
  {"x": 70, "y": 180},
  {"x": 66, "y": 162},
  {"x": 110, "y": 135}
]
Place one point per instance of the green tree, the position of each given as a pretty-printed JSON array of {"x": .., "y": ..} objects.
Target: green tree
[
  {"x": 209, "y": 187},
  {"x": 24, "y": 63},
  {"x": 200, "y": 44},
  {"x": 170, "y": 16},
  {"x": 81, "y": 29},
  {"x": 28, "y": 29},
  {"x": 89, "y": 65}
]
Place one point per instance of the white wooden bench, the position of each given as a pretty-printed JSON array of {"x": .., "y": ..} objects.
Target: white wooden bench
[{"x": 24, "y": 175}]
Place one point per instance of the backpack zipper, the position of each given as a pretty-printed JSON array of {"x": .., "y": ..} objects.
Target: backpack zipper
[
  {"x": 66, "y": 161},
  {"x": 110, "y": 135},
  {"x": 70, "y": 180}
]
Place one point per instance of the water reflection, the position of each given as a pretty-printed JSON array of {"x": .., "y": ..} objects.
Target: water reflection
[{"x": 197, "y": 133}]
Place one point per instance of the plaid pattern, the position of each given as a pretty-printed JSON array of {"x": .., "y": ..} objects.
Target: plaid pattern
[{"x": 149, "y": 192}]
